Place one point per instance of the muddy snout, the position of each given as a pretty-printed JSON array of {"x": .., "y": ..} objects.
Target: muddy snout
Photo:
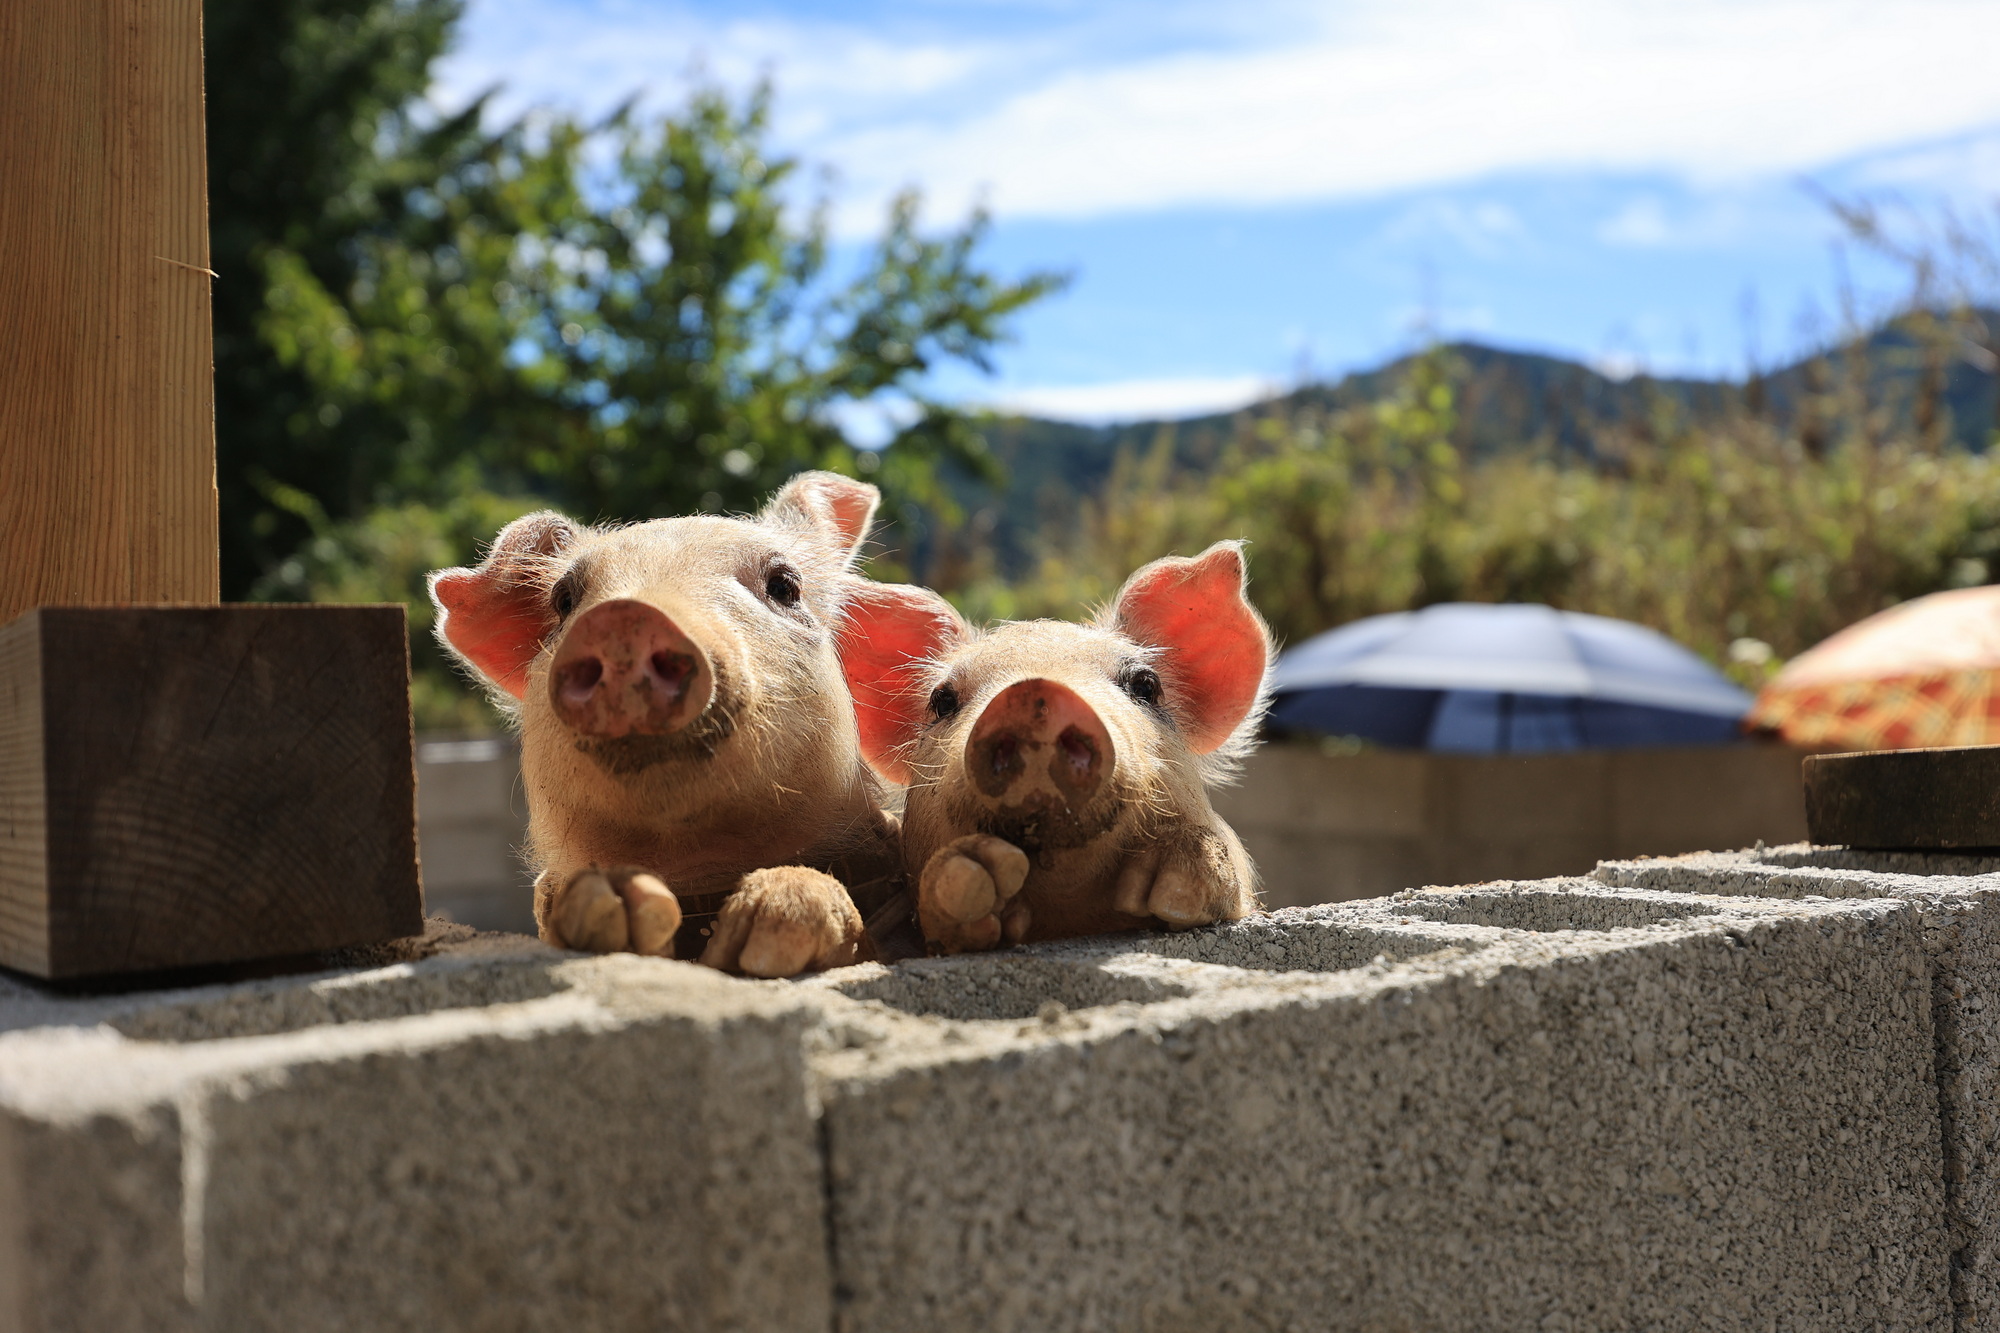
[
  {"x": 625, "y": 669},
  {"x": 1038, "y": 743}
]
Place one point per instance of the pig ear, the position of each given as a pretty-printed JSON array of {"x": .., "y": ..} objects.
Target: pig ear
[
  {"x": 1213, "y": 645},
  {"x": 890, "y": 630},
  {"x": 495, "y": 617},
  {"x": 838, "y": 508}
]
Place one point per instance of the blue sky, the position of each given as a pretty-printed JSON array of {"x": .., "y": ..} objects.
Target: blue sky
[{"x": 1255, "y": 191}]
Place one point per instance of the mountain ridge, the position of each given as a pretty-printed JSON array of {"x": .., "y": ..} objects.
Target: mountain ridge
[{"x": 1507, "y": 400}]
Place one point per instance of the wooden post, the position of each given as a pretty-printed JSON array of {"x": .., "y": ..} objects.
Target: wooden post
[
  {"x": 107, "y": 416},
  {"x": 179, "y": 785}
]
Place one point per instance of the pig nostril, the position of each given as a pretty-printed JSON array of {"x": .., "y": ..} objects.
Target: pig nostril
[
  {"x": 675, "y": 670},
  {"x": 579, "y": 678},
  {"x": 1005, "y": 757},
  {"x": 995, "y": 761},
  {"x": 1079, "y": 750}
]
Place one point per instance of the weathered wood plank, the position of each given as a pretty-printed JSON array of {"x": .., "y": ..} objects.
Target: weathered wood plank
[
  {"x": 197, "y": 785},
  {"x": 107, "y": 437},
  {"x": 1905, "y": 799}
]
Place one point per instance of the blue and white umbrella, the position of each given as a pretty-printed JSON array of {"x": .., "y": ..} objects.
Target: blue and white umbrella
[{"x": 1483, "y": 679}]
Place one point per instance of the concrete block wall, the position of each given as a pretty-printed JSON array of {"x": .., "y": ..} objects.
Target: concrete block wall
[
  {"x": 1325, "y": 826},
  {"x": 490, "y": 1140},
  {"x": 1537, "y": 1107},
  {"x": 472, "y": 819},
  {"x": 1956, "y": 899},
  {"x": 1659, "y": 1098}
]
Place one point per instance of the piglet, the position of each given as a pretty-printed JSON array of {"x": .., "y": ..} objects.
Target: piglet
[
  {"x": 1057, "y": 773},
  {"x": 688, "y": 747}
]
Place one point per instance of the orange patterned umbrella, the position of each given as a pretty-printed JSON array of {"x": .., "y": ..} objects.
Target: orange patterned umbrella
[{"x": 1925, "y": 673}]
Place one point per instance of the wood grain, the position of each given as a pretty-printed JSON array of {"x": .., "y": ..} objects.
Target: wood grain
[
  {"x": 216, "y": 784},
  {"x": 24, "y": 841},
  {"x": 107, "y": 434},
  {"x": 1906, "y": 800}
]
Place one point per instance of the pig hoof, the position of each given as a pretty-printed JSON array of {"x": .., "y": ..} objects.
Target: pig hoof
[
  {"x": 1176, "y": 894},
  {"x": 967, "y": 896},
  {"x": 781, "y": 922},
  {"x": 1179, "y": 901},
  {"x": 607, "y": 911}
]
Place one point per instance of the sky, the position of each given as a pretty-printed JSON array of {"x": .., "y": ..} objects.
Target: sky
[{"x": 1251, "y": 194}]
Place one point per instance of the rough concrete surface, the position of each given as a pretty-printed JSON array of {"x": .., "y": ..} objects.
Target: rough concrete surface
[
  {"x": 484, "y": 1142},
  {"x": 1679, "y": 1095},
  {"x": 1956, "y": 897},
  {"x": 1723, "y": 1120}
]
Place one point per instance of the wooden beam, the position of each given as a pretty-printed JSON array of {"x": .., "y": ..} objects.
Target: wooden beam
[
  {"x": 107, "y": 418},
  {"x": 1905, "y": 800},
  {"x": 192, "y": 785}
]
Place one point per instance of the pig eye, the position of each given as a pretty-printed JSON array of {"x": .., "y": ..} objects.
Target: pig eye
[
  {"x": 782, "y": 586},
  {"x": 1142, "y": 683},
  {"x": 944, "y": 702},
  {"x": 562, "y": 597}
]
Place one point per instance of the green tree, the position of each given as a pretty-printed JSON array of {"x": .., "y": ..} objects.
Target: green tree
[
  {"x": 1725, "y": 532},
  {"x": 308, "y": 105},
  {"x": 422, "y": 309}
]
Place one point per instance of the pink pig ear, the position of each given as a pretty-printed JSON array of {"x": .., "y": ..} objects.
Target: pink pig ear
[
  {"x": 494, "y": 617},
  {"x": 1214, "y": 646},
  {"x": 890, "y": 630},
  {"x": 838, "y": 508}
]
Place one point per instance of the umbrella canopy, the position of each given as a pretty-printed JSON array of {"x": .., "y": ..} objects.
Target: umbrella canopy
[
  {"x": 1920, "y": 674},
  {"x": 1471, "y": 677}
]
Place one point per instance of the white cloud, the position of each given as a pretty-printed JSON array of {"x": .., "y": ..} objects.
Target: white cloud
[
  {"x": 590, "y": 55},
  {"x": 1483, "y": 227},
  {"x": 1641, "y": 223},
  {"x": 1966, "y": 168},
  {"x": 1141, "y": 399},
  {"x": 1369, "y": 97},
  {"x": 1439, "y": 92}
]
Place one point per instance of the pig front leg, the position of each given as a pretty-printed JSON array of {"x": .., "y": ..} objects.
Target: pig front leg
[
  {"x": 607, "y": 910},
  {"x": 1198, "y": 878},
  {"x": 784, "y": 921},
  {"x": 966, "y": 896}
]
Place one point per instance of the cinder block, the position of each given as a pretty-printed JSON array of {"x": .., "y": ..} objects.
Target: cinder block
[
  {"x": 90, "y": 1218},
  {"x": 472, "y": 820},
  {"x": 525, "y": 1142},
  {"x": 1956, "y": 897},
  {"x": 1563, "y": 1104},
  {"x": 1557, "y": 1106}
]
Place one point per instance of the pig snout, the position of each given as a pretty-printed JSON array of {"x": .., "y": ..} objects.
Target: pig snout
[
  {"x": 624, "y": 668},
  {"x": 1038, "y": 743}
]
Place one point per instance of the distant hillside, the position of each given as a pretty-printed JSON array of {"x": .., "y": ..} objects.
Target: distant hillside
[{"x": 1508, "y": 400}]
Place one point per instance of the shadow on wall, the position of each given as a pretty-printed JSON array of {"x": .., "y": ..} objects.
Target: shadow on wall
[
  {"x": 1327, "y": 827},
  {"x": 472, "y": 818}
]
